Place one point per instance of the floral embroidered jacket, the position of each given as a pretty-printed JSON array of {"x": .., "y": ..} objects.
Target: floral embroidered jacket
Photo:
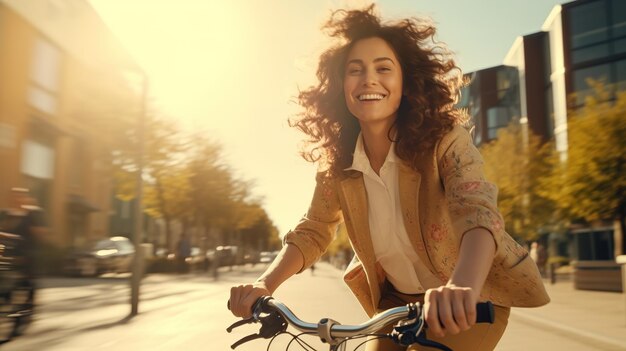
[{"x": 443, "y": 199}]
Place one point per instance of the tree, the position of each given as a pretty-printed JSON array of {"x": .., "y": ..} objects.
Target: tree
[
  {"x": 517, "y": 167},
  {"x": 590, "y": 183},
  {"x": 262, "y": 234},
  {"x": 220, "y": 200},
  {"x": 166, "y": 183}
]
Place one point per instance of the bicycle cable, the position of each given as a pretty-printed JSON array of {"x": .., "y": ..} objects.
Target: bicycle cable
[
  {"x": 366, "y": 341},
  {"x": 377, "y": 336},
  {"x": 297, "y": 339}
]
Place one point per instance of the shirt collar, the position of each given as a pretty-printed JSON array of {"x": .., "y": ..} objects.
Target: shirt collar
[{"x": 360, "y": 161}]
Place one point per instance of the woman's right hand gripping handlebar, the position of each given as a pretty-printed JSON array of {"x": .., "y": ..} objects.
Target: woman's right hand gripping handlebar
[
  {"x": 242, "y": 297},
  {"x": 287, "y": 263}
]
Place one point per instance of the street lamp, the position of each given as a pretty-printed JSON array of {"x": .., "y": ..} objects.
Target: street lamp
[
  {"x": 137, "y": 269},
  {"x": 139, "y": 80}
]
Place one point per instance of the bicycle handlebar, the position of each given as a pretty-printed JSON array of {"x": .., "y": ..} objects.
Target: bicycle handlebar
[
  {"x": 392, "y": 315},
  {"x": 330, "y": 331}
]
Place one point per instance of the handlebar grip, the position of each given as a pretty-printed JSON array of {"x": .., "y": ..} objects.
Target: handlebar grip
[
  {"x": 485, "y": 312},
  {"x": 260, "y": 300}
]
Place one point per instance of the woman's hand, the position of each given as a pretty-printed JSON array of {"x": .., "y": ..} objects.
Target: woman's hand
[
  {"x": 450, "y": 309},
  {"x": 243, "y": 297}
]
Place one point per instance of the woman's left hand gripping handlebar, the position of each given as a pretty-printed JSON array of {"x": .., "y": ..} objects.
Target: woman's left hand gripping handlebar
[{"x": 450, "y": 309}]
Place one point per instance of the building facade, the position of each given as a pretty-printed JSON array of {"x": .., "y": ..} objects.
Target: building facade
[
  {"x": 63, "y": 77},
  {"x": 545, "y": 75}
]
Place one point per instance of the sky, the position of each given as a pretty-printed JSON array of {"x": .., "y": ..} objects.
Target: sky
[{"x": 231, "y": 70}]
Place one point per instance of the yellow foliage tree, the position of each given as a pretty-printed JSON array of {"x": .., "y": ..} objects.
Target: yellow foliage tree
[
  {"x": 516, "y": 163},
  {"x": 590, "y": 183}
]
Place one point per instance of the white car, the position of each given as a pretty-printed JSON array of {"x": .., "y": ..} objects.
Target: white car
[{"x": 114, "y": 254}]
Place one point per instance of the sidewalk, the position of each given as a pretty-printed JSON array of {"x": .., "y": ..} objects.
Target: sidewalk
[{"x": 597, "y": 317}]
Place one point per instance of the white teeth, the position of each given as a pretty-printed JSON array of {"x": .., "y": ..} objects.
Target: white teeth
[{"x": 371, "y": 97}]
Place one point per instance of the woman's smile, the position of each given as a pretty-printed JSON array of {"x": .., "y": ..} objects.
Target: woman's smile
[{"x": 373, "y": 82}]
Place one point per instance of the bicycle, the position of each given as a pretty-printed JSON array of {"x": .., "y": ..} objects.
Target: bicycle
[
  {"x": 410, "y": 328},
  {"x": 16, "y": 289}
]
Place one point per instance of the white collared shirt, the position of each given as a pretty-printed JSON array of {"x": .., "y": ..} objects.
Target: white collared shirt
[{"x": 392, "y": 247}]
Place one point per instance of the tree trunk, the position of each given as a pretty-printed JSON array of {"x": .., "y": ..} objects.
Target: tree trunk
[
  {"x": 168, "y": 234},
  {"x": 620, "y": 240}
]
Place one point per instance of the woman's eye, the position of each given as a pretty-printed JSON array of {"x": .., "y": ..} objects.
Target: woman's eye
[
  {"x": 354, "y": 71},
  {"x": 384, "y": 69}
]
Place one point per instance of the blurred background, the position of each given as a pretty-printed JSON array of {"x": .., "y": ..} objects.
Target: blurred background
[{"x": 155, "y": 132}]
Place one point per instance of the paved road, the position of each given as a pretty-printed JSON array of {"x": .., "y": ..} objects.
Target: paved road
[{"x": 187, "y": 312}]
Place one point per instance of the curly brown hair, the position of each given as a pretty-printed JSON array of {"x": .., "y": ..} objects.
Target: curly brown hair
[{"x": 430, "y": 90}]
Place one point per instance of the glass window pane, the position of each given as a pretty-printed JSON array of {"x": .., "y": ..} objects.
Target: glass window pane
[
  {"x": 46, "y": 65},
  {"x": 581, "y": 79},
  {"x": 585, "y": 246},
  {"x": 620, "y": 69},
  {"x": 588, "y": 24},
  {"x": 618, "y": 14},
  {"x": 619, "y": 46},
  {"x": 590, "y": 53},
  {"x": 604, "y": 245},
  {"x": 37, "y": 160}
]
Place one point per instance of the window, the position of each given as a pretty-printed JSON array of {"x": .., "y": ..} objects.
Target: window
[
  {"x": 589, "y": 53},
  {"x": 611, "y": 74},
  {"x": 598, "y": 30},
  {"x": 582, "y": 77},
  {"x": 619, "y": 46},
  {"x": 618, "y": 13},
  {"x": 507, "y": 84},
  {"x": 620, "y": 71},
  {"x": 37, "y": 160},
  {"x": 45, "y": 69},
  {"x": 497, "y": 117},
  {"x": 589, "y": 24},
  {"x": 595, "y": 245}
]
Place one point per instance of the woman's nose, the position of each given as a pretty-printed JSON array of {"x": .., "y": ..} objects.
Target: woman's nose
[{"x": 369, "y": 78}]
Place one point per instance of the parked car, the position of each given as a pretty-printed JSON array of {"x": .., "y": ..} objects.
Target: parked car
[
  {"x": 110, "y": 255},
  {"x": 227, "y": 255},
  {"x": 267, "y": 256}
]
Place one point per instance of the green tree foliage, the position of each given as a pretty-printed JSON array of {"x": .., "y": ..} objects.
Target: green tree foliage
[
  {"x": 165, "y": 179},
  {"x": 186, "y": 181},
  {"x": 261, "y": 234},
  {"x": 222, "y": 201},
  {"x": 590, "y": 183},
  {"x": 517, "y": 163}
]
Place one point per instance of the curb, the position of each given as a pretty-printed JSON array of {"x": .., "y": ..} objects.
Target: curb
[{"x": 593, "y": 339}]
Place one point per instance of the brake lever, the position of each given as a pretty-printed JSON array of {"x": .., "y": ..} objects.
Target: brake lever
[
  {"x": 240, "y": 323},
  {"x": 421, "y": 339},
  {"x": 245, "y": 340},
  {"x": 256, "y": 316},
  {"x": 271, "y": 325}
]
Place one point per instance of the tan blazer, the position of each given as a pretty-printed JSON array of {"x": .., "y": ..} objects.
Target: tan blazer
[{"x": 444, "y": 198}]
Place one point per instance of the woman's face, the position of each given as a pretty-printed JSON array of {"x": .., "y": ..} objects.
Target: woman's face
[{"x": 373, "y": 82}]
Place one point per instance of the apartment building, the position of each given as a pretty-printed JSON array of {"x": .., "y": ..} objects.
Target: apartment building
[
  {"x": 543, "y": 77},
  {"x": 63, "y": 79}
]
